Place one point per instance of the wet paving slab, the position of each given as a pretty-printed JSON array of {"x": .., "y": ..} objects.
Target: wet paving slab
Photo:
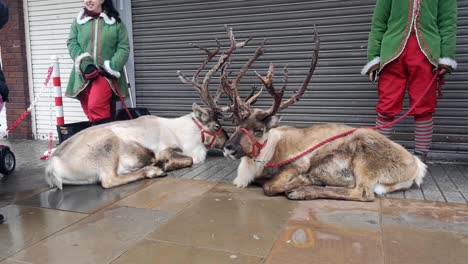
[
  {"x": 99, "y": 238},
  {"x": 25, "y": 226},
  {"x": 164, "y": 252},
  {"x": 189, "y": 221},
  {"x": 168, "y": 194},
  {"x": 424, "y": 232},
  {"x": 326, "y": 231},
  {"x": 83, "y": 198},
  {"x": 228, "y": 219}
]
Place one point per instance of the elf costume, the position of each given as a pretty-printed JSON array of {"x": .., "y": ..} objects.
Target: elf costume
[
  {"x": 408, "y": 40},
  {"x": 100, "y": 48}
]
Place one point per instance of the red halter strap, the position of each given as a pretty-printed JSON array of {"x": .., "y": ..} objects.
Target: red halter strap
[
  {"x": 203, "y": 132},
  {"x": 255, "y": 144}
]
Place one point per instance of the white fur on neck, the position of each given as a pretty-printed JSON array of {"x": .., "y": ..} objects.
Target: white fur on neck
[
  {"x": 81, "y": 19},
  {"x": 249, "y": 169}
]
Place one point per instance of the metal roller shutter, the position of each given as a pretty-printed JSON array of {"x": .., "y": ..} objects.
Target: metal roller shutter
[
  {"x": 162, "y": 31},
  {"x": 48, "y": 33}
]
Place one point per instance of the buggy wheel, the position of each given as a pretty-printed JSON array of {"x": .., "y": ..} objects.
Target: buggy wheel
[{"x": 7, "y": 161}]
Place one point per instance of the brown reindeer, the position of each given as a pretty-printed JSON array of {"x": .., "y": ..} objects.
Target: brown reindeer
[{"x": 353, "y": 167}]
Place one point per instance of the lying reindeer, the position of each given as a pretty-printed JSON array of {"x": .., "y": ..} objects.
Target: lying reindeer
[
  {"x": 124, "y": 151},
  {"x": 353, "y": 167},
  {"x": 121, "y": 152}
]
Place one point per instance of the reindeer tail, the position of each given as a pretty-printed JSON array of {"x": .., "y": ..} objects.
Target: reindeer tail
[{"x": 50, "y": 175}]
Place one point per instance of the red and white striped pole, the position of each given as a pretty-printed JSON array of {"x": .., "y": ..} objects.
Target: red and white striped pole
[{"x": 58, "y": 91}]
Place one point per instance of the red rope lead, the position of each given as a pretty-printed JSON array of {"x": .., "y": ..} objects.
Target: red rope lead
[
  {"x": 328, "y": 140},
  {"x": 26, "y": 113}
]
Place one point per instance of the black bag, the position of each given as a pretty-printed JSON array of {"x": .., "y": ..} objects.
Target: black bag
[
  {"x": 67, "y": 130},
  {"x": 134, "y": 111}
]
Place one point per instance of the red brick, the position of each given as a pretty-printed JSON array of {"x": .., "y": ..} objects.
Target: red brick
[{"x": 14, "y": 61}]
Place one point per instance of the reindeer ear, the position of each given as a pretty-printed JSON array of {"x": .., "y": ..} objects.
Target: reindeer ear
[
  {"x": 200, "y": 113},
  {"x": 272, "y": 121}
]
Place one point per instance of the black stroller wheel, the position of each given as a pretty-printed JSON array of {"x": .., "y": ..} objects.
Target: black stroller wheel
[{"x": 7, "y": 161}]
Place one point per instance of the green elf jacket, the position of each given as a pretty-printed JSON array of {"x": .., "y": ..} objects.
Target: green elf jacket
[
  {"x": 102, "y": 42},
  {"x": 435, "y": 26}
]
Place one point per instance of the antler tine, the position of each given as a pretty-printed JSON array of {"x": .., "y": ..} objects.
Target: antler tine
[
  {"x": 209, "y": 57},
  {"x": 241, "y": 105},
  {"x": 313, "y": 64},
  {"x": 277, "y": 96},
  {"x": 252, "y": 98}
]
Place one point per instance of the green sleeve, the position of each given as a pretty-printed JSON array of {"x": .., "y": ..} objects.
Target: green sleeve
[
  {"x": 81, "y": 59},
  {"x": 120, "y": 57},
  {"x": 378, "y": 28},
  {"x": 447, "y": 22}
]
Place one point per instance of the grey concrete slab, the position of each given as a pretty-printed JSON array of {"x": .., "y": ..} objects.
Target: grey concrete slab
[
  {"x": 442, "y": 179},
  {"x": 414, "y": 193},
  {"x": 28, "y": 177},
  {"x": 454, "y": 172},
  {"x": 431, "y": 190},
  {"x": 25, "y": 226}
]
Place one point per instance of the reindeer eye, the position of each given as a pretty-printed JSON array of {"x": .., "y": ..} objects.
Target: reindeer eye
[
  {"x": 216, "y": 127},
  {"x": 258, "y": 132}
]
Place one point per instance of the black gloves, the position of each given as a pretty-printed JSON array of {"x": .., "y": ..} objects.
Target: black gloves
[{"x": 91, "y": 72}]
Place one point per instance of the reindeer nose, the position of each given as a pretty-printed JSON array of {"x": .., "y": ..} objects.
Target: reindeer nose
[{"x": 229, "y": 148}]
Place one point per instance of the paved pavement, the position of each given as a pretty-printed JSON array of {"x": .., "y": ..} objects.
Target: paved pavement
[{"x": 196, "y": 216}]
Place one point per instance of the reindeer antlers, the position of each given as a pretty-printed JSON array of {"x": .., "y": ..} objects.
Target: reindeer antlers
[
  {"x": 241, "y": 109},
  {"x": 203, "y": 88}
]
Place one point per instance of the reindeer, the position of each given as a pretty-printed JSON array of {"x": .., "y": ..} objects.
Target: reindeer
[
  {"x": 121, "y": 152},
  {"x": 354, "y": 167}
]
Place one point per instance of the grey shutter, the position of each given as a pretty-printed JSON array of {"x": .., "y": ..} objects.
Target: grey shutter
[{"x": 162, "y": 31}]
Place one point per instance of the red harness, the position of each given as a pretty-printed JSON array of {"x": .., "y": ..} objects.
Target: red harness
[
  {"x": 214, "y": 135},
  {"x": 255, "y": 144}
]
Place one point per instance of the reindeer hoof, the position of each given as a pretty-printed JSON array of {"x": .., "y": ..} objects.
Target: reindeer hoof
[
  {"x": 295, "y": 195},
  {"x": 154, "y": 172},
  {"x": 268, "y": 190},
  {"x": 240, "y": 183}
]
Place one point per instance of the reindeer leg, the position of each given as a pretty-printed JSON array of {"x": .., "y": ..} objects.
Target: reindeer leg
[
  {"x": 359, "y": 193},
  {"x": 174, "y": 160},
  {"x": 110, "y": 180},
  {"x": 288, "y": 179}
]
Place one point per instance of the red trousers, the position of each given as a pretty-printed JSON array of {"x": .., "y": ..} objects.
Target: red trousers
[
  {"x": 410, "y": 70},
  {"x": 95, "y": 99}
]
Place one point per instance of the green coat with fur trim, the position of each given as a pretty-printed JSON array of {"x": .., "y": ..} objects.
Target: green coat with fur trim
[
  {"x": 392, "y": 23},
  {"x": 102, "y": 42}
]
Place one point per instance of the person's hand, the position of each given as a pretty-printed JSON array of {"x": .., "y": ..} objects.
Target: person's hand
[
  {"x": 91, "y": 72},
  {"x": 373, "y": 75},
  {"x": 443, "y": 69}
]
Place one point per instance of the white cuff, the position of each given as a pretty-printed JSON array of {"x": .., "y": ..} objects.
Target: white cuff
[
  {"x": 369, "y": 65},
  {"x": 448, "y": 61},
  {"x": 79, "y": 59},
  {"x": 108, "y": 69}
]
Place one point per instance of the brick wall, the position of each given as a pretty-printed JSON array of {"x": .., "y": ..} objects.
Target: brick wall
[{"x": 13, "y": 45}]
